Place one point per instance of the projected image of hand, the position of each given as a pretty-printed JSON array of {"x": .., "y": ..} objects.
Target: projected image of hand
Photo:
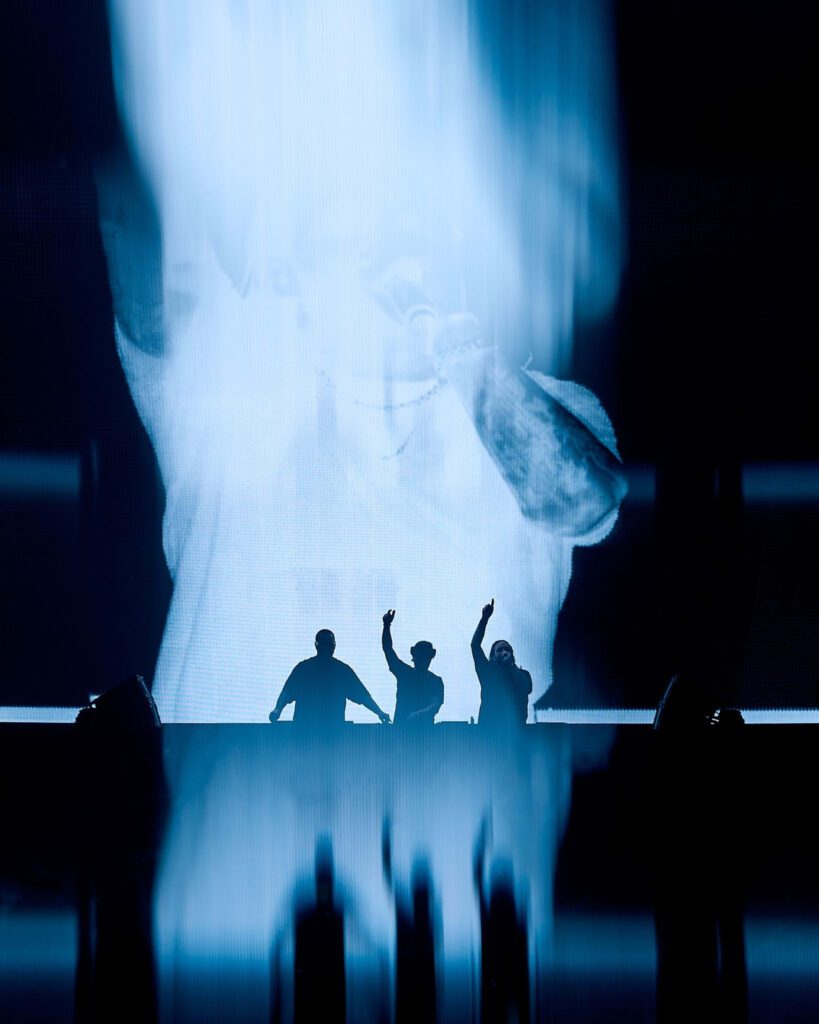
[{"x": 550, "y": 439}]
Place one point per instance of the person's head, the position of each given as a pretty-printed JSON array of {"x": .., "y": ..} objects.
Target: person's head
[
  {"x": 502, "y": 653},
  {"x": 422, "y": 654},
  {"x": 325, "y": 643}
]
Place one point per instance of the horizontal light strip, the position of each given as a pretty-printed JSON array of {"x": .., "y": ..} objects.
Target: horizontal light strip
[
  {"x": 607, "y": 946},
  {"x": 46, "y": 716},
  {"x": 564, "y": 716},
  {"x": 38, "y": 475},
  {"x": 795, "y": 483},
  {"x": 645, "y": 716},
  {"x": 34, "y": 941},
  {"x": 596, "y": 716},
  {"x": 31, "y": 475}
]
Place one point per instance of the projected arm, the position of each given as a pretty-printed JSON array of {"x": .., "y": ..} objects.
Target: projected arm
[
  {"x": 393, "y": 661},
  {"x": 478, "y": 656}
]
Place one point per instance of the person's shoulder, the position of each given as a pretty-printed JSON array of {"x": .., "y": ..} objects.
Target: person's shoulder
[
  {"x": 342, "y": 666},
  {"x": 346, "y": 676},
  {"x": 303, "y": 666}
]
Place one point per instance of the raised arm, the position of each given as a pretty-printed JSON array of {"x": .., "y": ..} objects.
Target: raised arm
[
  {"x": 393, "y": 661},
  {"x": 477, "y": 639}
]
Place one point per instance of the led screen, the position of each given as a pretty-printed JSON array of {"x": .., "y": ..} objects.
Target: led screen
[{"x": 333, "y": 248}]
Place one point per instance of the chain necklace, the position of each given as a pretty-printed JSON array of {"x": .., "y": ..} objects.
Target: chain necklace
[{"x": 425, "y": 396}]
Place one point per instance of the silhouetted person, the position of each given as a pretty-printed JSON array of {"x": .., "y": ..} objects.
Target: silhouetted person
[
  {"x": 419, "y": 692},
  {"x": 416, "y": 995},
  {"x": 321, "y": 687},
  {"x": 504, "y": 945},
  {"x": 320, "y": 991},
  {"x": 698, "y": 900},
  {"x": 505, "y": 687},
  {"x": 121, "y": 822}
]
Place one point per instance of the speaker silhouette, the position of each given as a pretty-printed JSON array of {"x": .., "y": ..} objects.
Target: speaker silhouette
[
  {"x": 120, "y": 821},
  {"x": 128, "y": 705}
]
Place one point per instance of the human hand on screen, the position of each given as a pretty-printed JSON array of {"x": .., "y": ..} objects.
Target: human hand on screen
[
  {"x": 388, "y": 617},
  {"x": 488, "y": 609},
  {"x": 274, "y": 715},
  {"x": 384, "y": 718}
]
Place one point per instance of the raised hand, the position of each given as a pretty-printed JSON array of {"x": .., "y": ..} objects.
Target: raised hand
[
  {"x": 388, "y": 617},
  {"x": 488, "y": 609}
]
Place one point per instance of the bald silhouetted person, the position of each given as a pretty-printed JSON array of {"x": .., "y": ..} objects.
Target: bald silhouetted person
[
  {"x": 321, "y": 686},
  {"x": 419, "y": 692}
]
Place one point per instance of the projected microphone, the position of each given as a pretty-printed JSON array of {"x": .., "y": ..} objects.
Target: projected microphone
[{"x": 550, "y": 439}]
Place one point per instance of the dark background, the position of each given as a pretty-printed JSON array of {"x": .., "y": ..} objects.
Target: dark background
[{"x": 707, "y": 364}]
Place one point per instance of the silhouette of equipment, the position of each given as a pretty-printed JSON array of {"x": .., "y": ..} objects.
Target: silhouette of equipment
[
  {"x": 699, "y": 819},
  {"x": 121, "y": 823},
  {"x": 129, "y": 705}
]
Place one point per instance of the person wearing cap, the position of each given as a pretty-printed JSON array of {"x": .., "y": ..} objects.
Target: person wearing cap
[
  {"x": 419, "y": 692},
  {"x": 321, "y": 686},
  {"x": 505, "y": 687}
]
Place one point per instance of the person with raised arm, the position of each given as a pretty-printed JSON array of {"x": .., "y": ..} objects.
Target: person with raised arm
[
  {"x": 505, "y": 687},
  {"x": 419, "y": 692}
]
